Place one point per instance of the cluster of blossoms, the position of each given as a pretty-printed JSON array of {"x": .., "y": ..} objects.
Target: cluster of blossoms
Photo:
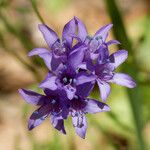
[{"x": 74, "y": 69}]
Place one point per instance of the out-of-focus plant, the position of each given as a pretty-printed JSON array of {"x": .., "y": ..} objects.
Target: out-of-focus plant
[
  {"x": 134, "y": 95},
  {"x": 18, "y": 32}
]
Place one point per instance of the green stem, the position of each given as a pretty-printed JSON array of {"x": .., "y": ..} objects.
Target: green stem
[
  {"x": 34, "y": 6},
  {"x": 130, "y": 67}
]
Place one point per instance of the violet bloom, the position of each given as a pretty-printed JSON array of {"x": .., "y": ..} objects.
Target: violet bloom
[
  {"x": 96, "y": 45},
  {"x": 68, "y": 77},
  {"x": 79, "y": 106},
  {"x": 52, "y": 105},
  {"x": 105, "y": 73},
  {"x": 73, "y": 71},
  {"x": 59, "y": 49}
]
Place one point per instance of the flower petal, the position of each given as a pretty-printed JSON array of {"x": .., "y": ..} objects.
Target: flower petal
[
  {"x": 47, "y": 57},
  {"x": 84, "y": 78},
  {"x": 76, "y": 57},
  {"x": 103, "y": 32},
  {"x": 49, "y": 35},
  {"x": 58, "y": 124},
  {"x": 82, "y": 32},
  {"x": 112, "y": 42},
  {"x": 38, "y": 51},
  {"x": 69, "y": 29},
  {"x": 118, "y": 57},
  {"x": 32, "y": 97},
  {"x": 45, "y": 54},
  {"x": 124, "y": 80},
  {"x": 49, "y": 83},
  {"x": 90, "y": 66},
  {"x": 94, "y": 106},
  {"x": 104, "y": 88},
  {"x": 80, "y": 125},
  {"x": 103, "y": 54},
  {"x": 85, "y": 89},
  {"x": 55, "y": 62},
  {"x": 38, "y": 116}
]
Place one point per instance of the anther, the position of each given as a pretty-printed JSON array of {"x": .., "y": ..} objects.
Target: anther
[
  {"x": 53, "y": 101},
  {"x": 65, "y": 80}
]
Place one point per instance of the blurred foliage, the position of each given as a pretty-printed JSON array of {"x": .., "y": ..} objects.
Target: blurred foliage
[{"x": 56, "y": 5}]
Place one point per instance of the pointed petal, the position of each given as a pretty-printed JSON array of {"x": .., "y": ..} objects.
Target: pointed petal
[
  {"x": 104, "y": 88},
  {"x": 90, "y": 66},
  {"x": 84, "y": 78},
  {"x": 38, "y": 51},
  {"x": 49, "y": 83},
  {"x": 38, "y": 116},
  {"x": 103, "y": 54},
  {"x": 49, "y": 35},
  {"x": 65, "y": 109},
  {"x": 69, "y": 29},
  {"x": 32, "y": 97},
  {"x": 76, "y": 57},
  {"x": 60, "y": 67},
  {"x": 55, "y": 62},
  {"x": 112, "y": 42},
  {"x": 80, "y": 125},
  {"x": 103, "y": 32},
  {"x": 124, "y": 80},
  {"x": 58, "y": 124},
  {"x": 85, "y": 89},
  {"x": 118, "y": 57},
  {"x": 82, "y": 32},
  {"x": 94, "y": 106},
  {"x": 45, "y": 54},
  {"x": 47, "y": 57}
]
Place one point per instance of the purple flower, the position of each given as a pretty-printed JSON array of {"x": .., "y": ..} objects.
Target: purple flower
[
  {"x": 79, "y": 106},
  {"x": 50, "y": 105},
  {"x": 96, "y": 45},
  {"x": 73, "y": 71},
  {"x": 68, "y": 77},
  {"x": 104, "y": 73},
  {"x": 59, "y": 48}
]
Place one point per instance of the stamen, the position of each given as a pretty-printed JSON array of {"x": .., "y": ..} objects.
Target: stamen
[
  {"x": 53, "y": 101},
  {"x": 54, "y": 113},
  {"x": 97, "y": 38},
  {"x": 63, "y": 50},
  {"x": 74, "y": 81},
  {"x": 65, "y": 80},
  {"x": 80, "y": 124},
  {"x": 65, "y": 67},
  {"x": 70, "y": 81},
  {"x": 89, "y": 37},
  {"x": 76, "y": 97},
  {"x": 43, "y": 117}
]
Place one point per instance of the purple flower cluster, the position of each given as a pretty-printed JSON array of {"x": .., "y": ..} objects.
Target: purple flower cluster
[{"x": 76, "y": 62}]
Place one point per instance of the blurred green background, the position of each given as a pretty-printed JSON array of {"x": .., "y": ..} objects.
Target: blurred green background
[{"x": 127, "y": 126}]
